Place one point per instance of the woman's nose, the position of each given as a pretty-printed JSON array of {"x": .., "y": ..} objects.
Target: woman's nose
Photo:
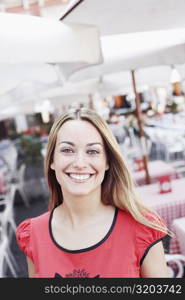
[{"x": 79, "y": 161}]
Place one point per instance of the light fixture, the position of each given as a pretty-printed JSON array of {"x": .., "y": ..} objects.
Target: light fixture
[
  {"x": 175, "y": 75},
  {"x": 45, "y": 108},
  {"x": 26, "y": 4}
]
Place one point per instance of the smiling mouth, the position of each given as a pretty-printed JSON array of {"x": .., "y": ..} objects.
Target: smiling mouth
[{"x": 79, "y": 177}]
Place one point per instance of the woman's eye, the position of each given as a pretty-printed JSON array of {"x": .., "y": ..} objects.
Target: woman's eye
[
  {"x": 93, "y": 152},
  {"x": 67, "y": 150}
]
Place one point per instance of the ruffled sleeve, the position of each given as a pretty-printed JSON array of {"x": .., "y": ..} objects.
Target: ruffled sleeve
[
  {"x": 147, "y": 237},
  {"x": 23, "y": 237}
]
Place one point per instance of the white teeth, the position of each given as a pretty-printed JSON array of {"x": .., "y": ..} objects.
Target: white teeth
[{"x": 80, "y": 177}]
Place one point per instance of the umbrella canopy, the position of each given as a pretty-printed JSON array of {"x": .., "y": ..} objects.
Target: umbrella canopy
[
  {"x": 137, "y": 50},
  {"x": 118, "y": 16},
  {"x": 13, "y": 75},
  {"x": 118, "y": 83},
  {"x": 32, "y": 47},
  {"x": 106, "y": 86},
  {"x": 30, "y": 39}
]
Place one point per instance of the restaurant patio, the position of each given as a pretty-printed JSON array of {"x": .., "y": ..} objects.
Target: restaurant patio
[{"x": 133, "y": 76}]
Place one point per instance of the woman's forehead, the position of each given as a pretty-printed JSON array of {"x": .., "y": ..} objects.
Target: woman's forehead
[{"x": 79, "y": 129}]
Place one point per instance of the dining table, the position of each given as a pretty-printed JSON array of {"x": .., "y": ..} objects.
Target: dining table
[
  {"x": 169, "y": 205},
  {"x": 156, "y": 169},
  {"x": 177, "y": 243}
]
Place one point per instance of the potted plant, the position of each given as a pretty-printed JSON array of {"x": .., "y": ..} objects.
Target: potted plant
[{"x": 30, "y": 146}]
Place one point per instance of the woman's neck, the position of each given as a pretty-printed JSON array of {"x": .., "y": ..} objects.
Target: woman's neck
[{"x": 78, "y": 212}]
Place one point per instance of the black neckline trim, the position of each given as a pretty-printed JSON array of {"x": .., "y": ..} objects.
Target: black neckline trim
[
  {"x": 88, "y": 248},
  {"x": 148, "y": 248}
]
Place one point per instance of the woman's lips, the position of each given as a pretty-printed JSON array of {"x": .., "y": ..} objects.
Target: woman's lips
[{"x": 80, "y": 177}]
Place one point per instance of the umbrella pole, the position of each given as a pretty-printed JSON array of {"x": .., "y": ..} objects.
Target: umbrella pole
[
  {"x": 141, "y": 131},
  {"x": 91, "y": 105}
]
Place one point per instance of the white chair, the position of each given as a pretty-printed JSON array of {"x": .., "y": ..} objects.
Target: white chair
[
  {"x": 7, "y": 214},
  {"x": 175, "y": 263},
  {"x": 6, "y": 258},
  {"x": 7, "y": 228},
  {"x": 5, "y": 175},
  {"x": 20, "y": 184},
  {"x": 9, "y": 154}
]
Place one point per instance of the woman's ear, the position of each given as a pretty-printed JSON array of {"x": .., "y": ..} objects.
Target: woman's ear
[
  {"x": 52, "y": 166},
  {"x": 107, "y": 167}
]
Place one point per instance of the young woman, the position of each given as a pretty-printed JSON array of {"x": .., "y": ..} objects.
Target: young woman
[{"x": 96, "y": 226}]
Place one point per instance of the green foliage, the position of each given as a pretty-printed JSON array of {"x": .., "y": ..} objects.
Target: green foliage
[
  {"x": 30, "y": 149},
  {"x": 174, "y": 107}
]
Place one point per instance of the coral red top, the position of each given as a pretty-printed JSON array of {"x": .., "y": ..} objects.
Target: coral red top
[{"x": 119, "y": 254}]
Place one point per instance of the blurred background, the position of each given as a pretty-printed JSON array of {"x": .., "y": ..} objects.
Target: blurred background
[{"x": 110, "y": 56}]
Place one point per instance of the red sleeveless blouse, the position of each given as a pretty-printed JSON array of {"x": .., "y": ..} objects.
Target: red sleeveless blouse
[{"x": 119, "y": 254}]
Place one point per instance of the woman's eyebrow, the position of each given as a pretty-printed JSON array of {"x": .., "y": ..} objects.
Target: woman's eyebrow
[
  {"x": 66, "y": 142},
  {"x": 72, "y": 144},
  {"x": 96, "y": 143}
]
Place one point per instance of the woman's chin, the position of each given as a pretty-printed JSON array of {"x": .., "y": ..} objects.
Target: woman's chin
[{"x": 79, "y": 193}]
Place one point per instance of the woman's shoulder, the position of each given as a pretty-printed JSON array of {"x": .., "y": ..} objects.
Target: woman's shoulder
[
  {"x": 24, "y": 228},
  {"x": 150, "y": 216},
  {"x": 140, "y": 229},
  {"x": 126, "y": 217},
  {"x": 24, "y": 231},
  {"x": 37, "y": 219},
  {"x": 43, "y": 218},
  {"x": 142, "y": 235}
]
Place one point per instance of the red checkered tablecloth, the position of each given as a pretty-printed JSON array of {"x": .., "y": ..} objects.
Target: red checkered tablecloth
[
  {"x": 177, "y": 244},
  {"x": 169, "y": 206},
  {"x": 156, "y": 169},
  {"x": 174, "y": 247}
]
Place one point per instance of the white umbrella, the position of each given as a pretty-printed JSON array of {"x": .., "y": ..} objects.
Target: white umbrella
[
  {"x": 135, "y": 51},
  {"x": 14, "y": 110},
  {"x": 30, "y": 39},
  {"x": 124, "y": 16},
  {"x": 115, "y": 83},
  {"x": 32, "y": 46},
  {"x": 117, "y": 17},
  {"x": 13, "y": 75},
  {"x": 30, "y": 92},
  {"x": 107, "y": 85}
]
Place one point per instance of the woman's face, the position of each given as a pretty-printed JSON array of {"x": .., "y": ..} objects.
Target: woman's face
[{"x": 79, "y": 158}]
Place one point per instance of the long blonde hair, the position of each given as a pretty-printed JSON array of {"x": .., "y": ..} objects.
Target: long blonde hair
[{"x": 117, "y": 187}]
